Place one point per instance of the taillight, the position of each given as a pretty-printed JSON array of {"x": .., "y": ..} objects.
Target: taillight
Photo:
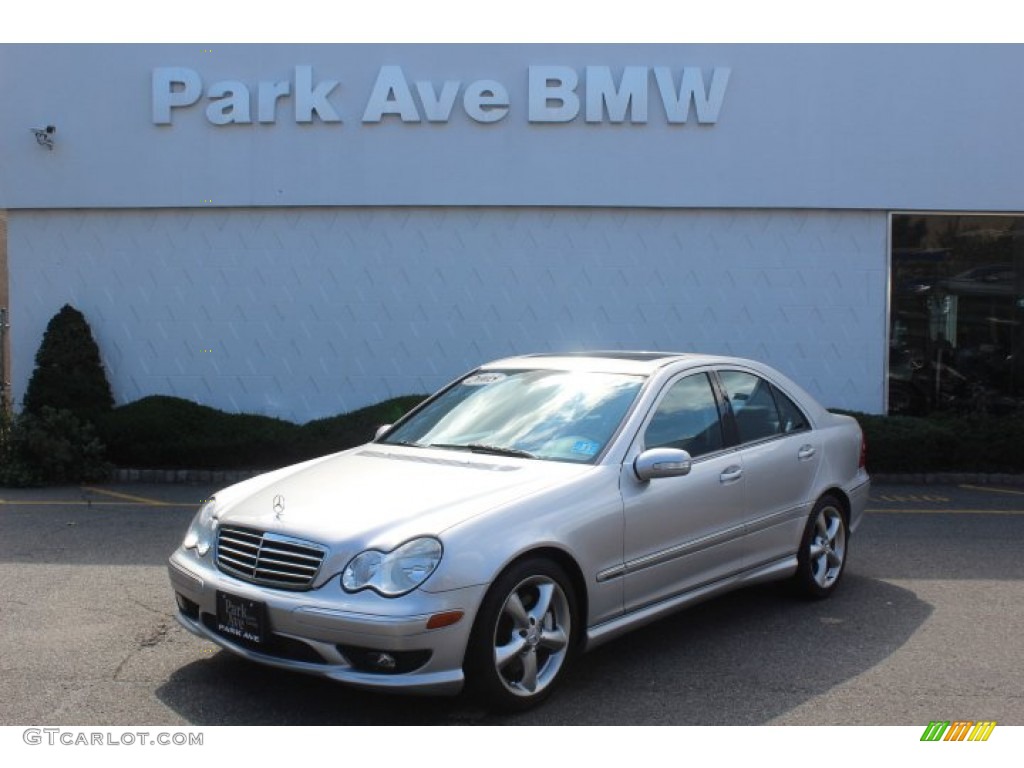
[{"x": 863, "y": 452}]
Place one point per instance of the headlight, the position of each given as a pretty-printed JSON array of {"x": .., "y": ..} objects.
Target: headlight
[
  {"x": 393, "y": 573},
  {"x": 203, "y": 529}
]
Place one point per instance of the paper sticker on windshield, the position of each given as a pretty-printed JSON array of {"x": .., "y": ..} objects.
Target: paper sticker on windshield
[
  {"x": 481, "y": 379},
  {"x": 586, "y": 447}
]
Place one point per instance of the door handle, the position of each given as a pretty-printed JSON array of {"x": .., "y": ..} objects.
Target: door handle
[
  {"x": 805, "y": 452},
  {"x": 731, "y": 474}
]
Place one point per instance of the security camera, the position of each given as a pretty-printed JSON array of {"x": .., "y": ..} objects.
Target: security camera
[{"x": 44, "y": 136}]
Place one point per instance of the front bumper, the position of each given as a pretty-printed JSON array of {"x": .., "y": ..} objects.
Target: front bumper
[{"x": 362, "y": 640}]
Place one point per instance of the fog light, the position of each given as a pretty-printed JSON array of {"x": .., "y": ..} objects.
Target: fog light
[
  {"x": 186, "y": 606},
  {"x": 385, "y": 661}
]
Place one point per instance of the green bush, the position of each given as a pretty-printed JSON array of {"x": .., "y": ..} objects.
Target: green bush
[
  {"x": 51, "y": 447},
  {"x": 54, "y": 439},
  {"x": 351, "y": 429},
  {"x": 68, "y": 373},
  {"x": 943, "y": 443},
  {"x": 161, "y": 432},
  {"x": 13, "y": 471},
  {"x": 171, "y": 433}
]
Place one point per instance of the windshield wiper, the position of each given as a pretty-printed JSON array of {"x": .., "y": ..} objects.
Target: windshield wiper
[
  {"x": 494, "y": 450},
  {"x": 497, "y": 450}
]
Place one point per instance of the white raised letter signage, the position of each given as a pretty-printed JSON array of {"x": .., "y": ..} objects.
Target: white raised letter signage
[
  {"x": 691, "y": 88},
  {"x": 229, "y": 103},
  {"x": 631, "y": 94},
  {"x": 553, "y": 84},
  {"x": 174, "y": 87},
  {"x": 310, "y": 99},
  {"x": 485, "y": 101},
  {"x": 438, "y": 108},
  {"x": 555, "y": 94},
  {"x": 391, "y": 96},
  {"x": 231, "y": 100}
]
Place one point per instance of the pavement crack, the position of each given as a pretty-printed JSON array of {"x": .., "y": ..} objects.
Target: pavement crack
[
  {"x": 156, "y": 636},
  {"x": 149, "y": 608},
  {"x": 150, "y": 638}
]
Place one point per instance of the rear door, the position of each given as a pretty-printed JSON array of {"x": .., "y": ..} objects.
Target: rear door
[{"x": 781, "y": 456}]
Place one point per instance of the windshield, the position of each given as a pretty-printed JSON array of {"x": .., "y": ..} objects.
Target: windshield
[{"x": 559, "y": 415}]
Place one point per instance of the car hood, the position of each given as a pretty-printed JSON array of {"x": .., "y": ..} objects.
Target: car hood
[{"x": 380, "y": 496}]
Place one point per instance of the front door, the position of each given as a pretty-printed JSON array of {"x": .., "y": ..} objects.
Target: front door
[{"x": 682, "y": 532}]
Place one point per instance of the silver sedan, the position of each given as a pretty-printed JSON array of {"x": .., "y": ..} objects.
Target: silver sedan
[{"x": 531, "y": 510}]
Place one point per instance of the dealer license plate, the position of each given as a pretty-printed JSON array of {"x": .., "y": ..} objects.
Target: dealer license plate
[{"x": 240, "y": 618}]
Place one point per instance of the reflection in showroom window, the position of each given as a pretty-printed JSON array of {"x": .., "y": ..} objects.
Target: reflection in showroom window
[{"x": 957, "y": 305}]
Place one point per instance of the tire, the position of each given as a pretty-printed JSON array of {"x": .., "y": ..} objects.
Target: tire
[
  {"x": 821, "y": 559},
  {"x": 524, "y": 637}
]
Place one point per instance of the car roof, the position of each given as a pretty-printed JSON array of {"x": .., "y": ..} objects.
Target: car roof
[
  {"x": 613, "y": 361},
  {"x": 647, "y": 363}
]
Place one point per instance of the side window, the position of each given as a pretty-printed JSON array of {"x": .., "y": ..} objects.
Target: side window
[
  {"x": 752, "y": 404},
  {"x": 687, "y": 417},
  {"x": 793, "y": 419}
]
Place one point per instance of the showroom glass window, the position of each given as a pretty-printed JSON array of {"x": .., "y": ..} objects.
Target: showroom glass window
[{"x": 957, "y": 304}]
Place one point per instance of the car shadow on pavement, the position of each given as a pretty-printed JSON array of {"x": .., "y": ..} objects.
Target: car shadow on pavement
[{"x": 744, "y": 659}]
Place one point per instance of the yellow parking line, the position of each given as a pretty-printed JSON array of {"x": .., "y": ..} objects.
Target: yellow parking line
[
  {"x": 79, "y": 503},
  {"x": 130, "y": 497},
  {"x": 992, "y": 490},
  {"x": 70, "y": 503},
  {"x": 122, "y": 500}
]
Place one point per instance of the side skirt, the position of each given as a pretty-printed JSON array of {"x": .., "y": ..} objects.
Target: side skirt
[{"x": 609, "y": 630}]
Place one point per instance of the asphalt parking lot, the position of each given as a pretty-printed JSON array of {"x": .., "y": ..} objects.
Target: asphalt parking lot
[{"x": 927, "y": 625}]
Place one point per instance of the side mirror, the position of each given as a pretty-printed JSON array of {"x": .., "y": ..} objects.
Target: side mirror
[
  {"x": 662, "y": 462},
  {"x": 381, "y": 431}
]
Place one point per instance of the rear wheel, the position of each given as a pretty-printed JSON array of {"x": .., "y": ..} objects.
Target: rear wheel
[
  {"x": 822, "y": 556},
  {"x": 524, "y": 636}
]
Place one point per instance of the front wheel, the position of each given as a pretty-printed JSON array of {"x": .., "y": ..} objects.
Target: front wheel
[
  {"x": 822, "y": 555},
  {"x": 524, "y": 636}
]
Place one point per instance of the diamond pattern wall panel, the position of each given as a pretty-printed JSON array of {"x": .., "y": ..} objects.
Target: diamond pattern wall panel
[{"x": 304, "y": 313}]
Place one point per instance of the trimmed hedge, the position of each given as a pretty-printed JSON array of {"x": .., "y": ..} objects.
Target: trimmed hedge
[
  {"x": 161, "y": 432},
  {"x": 943, "y": 443}
]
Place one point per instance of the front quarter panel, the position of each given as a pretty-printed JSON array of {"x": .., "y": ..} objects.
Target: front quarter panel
[{"x": 582, "y": 519}]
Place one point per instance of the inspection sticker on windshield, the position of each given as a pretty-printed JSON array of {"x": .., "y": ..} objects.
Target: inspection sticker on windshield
[
  {"x": 586, "y": 447},
  {"x": 480, "y": 379}
]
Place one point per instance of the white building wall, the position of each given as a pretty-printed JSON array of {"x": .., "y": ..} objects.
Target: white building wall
[
  {"x": 308, "y": 312},
  {"x": 873, "y": 127}
]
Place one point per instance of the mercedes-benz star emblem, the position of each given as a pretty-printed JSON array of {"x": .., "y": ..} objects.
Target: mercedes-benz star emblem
[{"x": 278, "y": 506}]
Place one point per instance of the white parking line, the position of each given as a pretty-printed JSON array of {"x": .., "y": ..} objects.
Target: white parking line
[
  {"x": 945, "y": 511},
  {"x": 992, "y": 490}
]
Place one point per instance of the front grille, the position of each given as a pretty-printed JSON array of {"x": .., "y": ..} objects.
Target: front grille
[{"x": 268, "y": 558}]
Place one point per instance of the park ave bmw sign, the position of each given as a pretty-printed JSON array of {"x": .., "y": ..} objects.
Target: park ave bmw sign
[{"x": 555, "y": 94}]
